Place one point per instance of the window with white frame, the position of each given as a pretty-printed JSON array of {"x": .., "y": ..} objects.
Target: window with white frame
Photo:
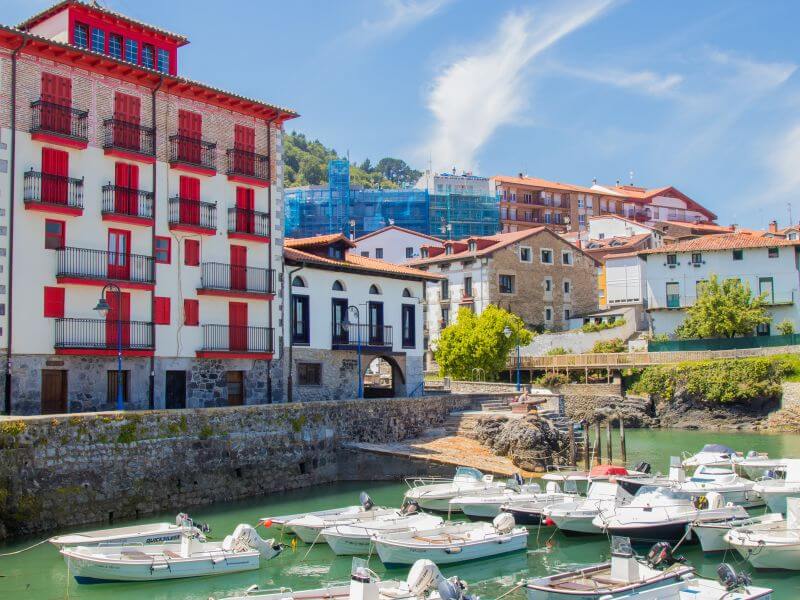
[
  {"x": 525, "y": 254},
  {"x": 548, "y": 285},
  {"x": 98, "y": 40},
  {"x": 567, "y": 286},
  {"x": 566, "y": 257},
  {"x": 546, "y": 255}
]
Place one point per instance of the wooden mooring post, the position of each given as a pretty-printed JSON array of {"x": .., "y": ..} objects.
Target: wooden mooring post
[
  {"x": 598, "y": 449},
  {"x": 586, "y": 432},
  {"x": 609, "y": 442},
  {"x": 623, "y": 451},
  {"x": 572, "y": 453}
]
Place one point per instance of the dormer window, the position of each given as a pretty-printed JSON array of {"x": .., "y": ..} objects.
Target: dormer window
[
  {"x": 80, "y": 35},
  {"x": 473, "y": 246},
  {"x": 163, "y": 60},
  {"x": 148, "y": 56},
  {"x": 115, "y": 45},
  {"x": 335, "y": 252},
  {"x": 423, "y": 252},
  {"x": 132, "y": 51},
  {"x": 448, "y": 249},
  {"x": 98, "y": 40}
]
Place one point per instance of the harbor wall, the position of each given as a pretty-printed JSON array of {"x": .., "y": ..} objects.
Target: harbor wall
[{"x": 68, "y": 470}]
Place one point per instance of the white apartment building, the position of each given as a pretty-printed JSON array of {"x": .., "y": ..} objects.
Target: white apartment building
[
  {"x": 161, "y": 193},
  {"x": 673, "y": 275},
  {"x": 465, "y": 184},
  {"x": 604, "y": 227},
  {"x": 394, "y": 244},
  {"x": 343, "y": 308}
]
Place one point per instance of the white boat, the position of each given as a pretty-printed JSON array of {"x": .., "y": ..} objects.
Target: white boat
[
  {"x": 716, "y": 455},
  {"x": 629, "y": 578},
  {"x": 356, "y": 538},
  {"x": 148, "y": 533},
  {"x": 241, "y": 551},
  {"x": 776, "y": 491},
  {"x": 308, "y": 527},
  {"x": 424, "y": 582},
  {"x": 576, "y": 517},
  {"x": 453, "y": 542},
  {"x": 774, "y": 545},
  {"x": 659, "y": 513},
  {"x": 529, "y": 511},
  {"x": 435, "y": 494},
  {"x": 711, "y": 534},
  {"x": 486, "y": 504}
]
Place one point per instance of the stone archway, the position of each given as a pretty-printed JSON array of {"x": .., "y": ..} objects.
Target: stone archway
[{"x": 383, "y": 377}]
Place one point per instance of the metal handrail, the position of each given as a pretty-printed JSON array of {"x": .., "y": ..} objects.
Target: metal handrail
[
  {"x": 132, "y": 137},
  {"x": 121, "y": 200},
  {"x": 60, "y": 119}
]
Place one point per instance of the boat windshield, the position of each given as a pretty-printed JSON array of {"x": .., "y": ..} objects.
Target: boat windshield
[
  {"x": 602, "y": 490},
  {"x": 468, "y": 474},
  {"x": 655, "y": 495}
]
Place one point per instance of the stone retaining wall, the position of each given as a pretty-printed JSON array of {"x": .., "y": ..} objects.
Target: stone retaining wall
[
  {"x": 791, "y": 394},
  {"x": 92, "y": 467},
  {"x": 589, "y": 389}
]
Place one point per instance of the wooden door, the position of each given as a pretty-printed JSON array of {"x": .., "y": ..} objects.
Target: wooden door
[
  {"x": 238, "y": 267},
  {"x": 245, "y": 205},
  {"x": 56, "y": 97},
  {"x": 189, "y": 200},
  {"x": 338, "y": 317},
  {"x": 124, "y": 312},
  {"x": 127, "y": 116},
  {"x": 244, "y": 142},
  {"x": 237, "y": 326},
  {"x": 175, "y": 390},
  {"x": 190, "y": 130},
  {"x": 127, "y": 185},
  {"x": 235, "y": 385},
  {"x": 376, "y": 323},
  {"x": 55, "y": 168},
  {"x": 54, "y": 391},
  {"x": 119, "y": 254}
]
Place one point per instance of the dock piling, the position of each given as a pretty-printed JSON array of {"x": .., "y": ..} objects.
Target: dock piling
[
  {"x": 598, "y": 449},
  {"x": 571, "y": 434},
  {"x": 609, "y": 442},
  {"x": 622, "y": 448}
]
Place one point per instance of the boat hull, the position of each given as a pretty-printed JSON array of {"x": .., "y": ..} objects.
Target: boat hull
[
  {"x": 576, "y": 525},
  {"x": 394, "y": 555},
  {"x": 308, "y": 533},
  {"x": 485, "y": 510},
  {"x": 157, "y": 534},
  {"x": 343, "y": 545},
  {"x": 783, "y": 557},
  {"x": 712, "y": 539},
  {"x": 525, "y": 517},
  {"x": 657, "y": 532},
  {"x": 776, "y": 500}
]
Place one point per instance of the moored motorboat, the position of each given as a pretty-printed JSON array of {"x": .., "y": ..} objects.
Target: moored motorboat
[
  {"x": 356, "y": 538},
  {"x": 575, "y": 517},
  {"x": 308, "y": 527},
  {"x": 711, "y": 534},
  {"x": 241, "y": 551},
  {"x": 452, "y": 542},
  {"x": 487, "y": 505},
  {"x": 772, "y": 545},
  {"x": 435, "y": 494},
  {"x": 144, "y": 534},
  {"x": 529, "y": 511},
  {"x": 717, "y": 455},
  {"x": 776, "y": 491}
]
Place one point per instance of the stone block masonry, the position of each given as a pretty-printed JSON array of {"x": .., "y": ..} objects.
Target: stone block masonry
[{"x": 71, "y": 470}]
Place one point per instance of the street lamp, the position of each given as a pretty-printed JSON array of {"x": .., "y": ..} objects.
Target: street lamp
[
  {"x": 346, "y": 326},
  {"x": 103, "y": 308},
  {"x": 352, "y": 224},
  {"x": 508, "y": 333}
]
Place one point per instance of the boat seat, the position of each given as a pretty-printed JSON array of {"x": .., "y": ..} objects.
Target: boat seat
[
  {"x": 137, "y": 554},
  {"x": 446, "y": 539},
  {"x": 608, "y": 581},
  {"x": 172, "y": 554}
]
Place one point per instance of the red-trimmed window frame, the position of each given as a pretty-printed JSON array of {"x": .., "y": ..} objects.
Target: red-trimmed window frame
[
  {"x": 62, "y": 237},
  {"x": 168, "y": 249}
]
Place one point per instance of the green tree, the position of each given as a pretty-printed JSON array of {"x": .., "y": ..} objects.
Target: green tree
[
  {"x": 479, "y": 341},
  {"x": 397, "y": 171},
  {"x": 724, "y": 309},
  {"x": 785, "y": 327}
]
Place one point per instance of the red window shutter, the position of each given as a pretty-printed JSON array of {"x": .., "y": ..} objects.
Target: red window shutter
[
  {"x": 54, "y": 302},
  {"x": 127, "y": 108},
  {"x": 162, "y": 310},
  {"x": 190, "y": 124},
  {"x": 244, "y": 138},
  {"x": 190, "y": 188},
  {"x": 191, "y": 253},
  {"x": 56, "y": 89},
  {"x": 191, "y": 312},
  {"x": 55, "y": 162}
]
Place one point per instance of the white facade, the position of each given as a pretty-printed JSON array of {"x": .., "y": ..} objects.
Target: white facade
[
  {"x": 449, "y": 183},
  {"x": 624, "y": 280},
  {"x": 609, "y": 226},
  {"x": 394, "y": 244},
  {"x": 442, "y": 313}
]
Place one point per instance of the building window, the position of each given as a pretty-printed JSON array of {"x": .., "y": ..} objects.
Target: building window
[
  {"x": 379, "y": 253},
  {"x": 566, "y": 314},
  {"x": 80, "y": 35},
  {"x": 525, "y": 254},
  {"x": 115, "y": 45},
  {"x": 298, "y": 281},
  {"x": 163, "y": 60},
  {"x": 567, "y": 287},
  {"x": 546, "y": 256},
  {"x": 338, "y": 286},
  {"x": 468, "y": 287},
  {"x": 365, "y": 253},
  {"x": 672, "y": 259},
  {"x": 409, "y": 252},
  {"x": 163, "y": 247},
  {"x": 409, "y": 326},
  {"x": 54, "y": 234},
  {"x": 673, "y": 295},
  {"x": 473, "y": 246},
  {"x": 132, "y": 51},
  {"x": 375, "y": 290},
  {"x": 148, "y": 57},
  {"x": 300, "y": 320},
  {"x": 54, "y": 302},
  {"x": 506, "y": 284},
  {"x": 566, "y": 257},
  {"x": 548, "y": 314},
  {"x": 98, "y": 40},
  {"x": 445, "y": 317},
  {"x": 772, "y": 252},
  {"x": 444, "y": 289},
  {"x": 335, "y": 252},
  {"x": 406, "y": 293},
  {"x": 548, "y": 284},
  {"x": 766, "y": 286},
  {"x": 762, "y": 329},
  {"x": 162, "y": 310},
  {"x": 697, "y": 258},
  {"x": 191, "y": 312},
  {"x": 738, "y": 254},
  {"x": 698, "y": 287},
  {"x": 309, "y": 374}
]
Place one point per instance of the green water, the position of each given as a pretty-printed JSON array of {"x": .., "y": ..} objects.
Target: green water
[{"x": 41, "y": 573}]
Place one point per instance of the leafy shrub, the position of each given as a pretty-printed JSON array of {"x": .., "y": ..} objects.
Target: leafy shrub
[
  {"x": 660, "y": 338},
  {"x": 607, "y": 346},
  {"x": 559, "y": 351},
  {"x": 595, "y": 327},
  {"x": 785, "y": 327},
  {"x": 553, "y": 379}
]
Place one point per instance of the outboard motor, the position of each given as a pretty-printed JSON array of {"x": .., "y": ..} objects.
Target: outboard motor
[
  {"x": 424, "y": 575},
  {"x": 184, "y": 520},
  {"x": 504, "y": 523},
  {"x": 518, "y": 478},
  {"x": 245, "y": 538},
  {"x": 410, "y": 507},
  {"x": 730, "y": 578},
  {"x": 660, "y": 556},
  {"x": 366, "y": 501},
  {"x": 643, "y": 467}
]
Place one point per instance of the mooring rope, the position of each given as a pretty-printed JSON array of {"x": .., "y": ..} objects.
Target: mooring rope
[{"x": 25, "y": 549}]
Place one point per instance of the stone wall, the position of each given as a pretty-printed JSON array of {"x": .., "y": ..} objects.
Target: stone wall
[
  {"x": 589, "y": 389},
  {"x": 578, "y": 342},
  {"x": 70, "y": 470},
  {"x": 483, "y": 387},
  {"x": 791, "y": 394}
]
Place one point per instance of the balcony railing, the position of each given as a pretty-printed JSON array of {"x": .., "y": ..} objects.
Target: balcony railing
[
  {"x": 55, "y": 190},
  {"x": 130, "y": 137},
  {"x": 84, "y": 263},
  {"x": 353, "y": 335},
  {"x": 225, "y": 277},
  {"x": 249, "y": 222},
  {"x": 192, "y": 213},
  {"x": 192, "y": 151},
  {"x": 102, "y": 334},
  {"x": 236, "y": 338},
  {"x": 59, "y": 119},
  {"x": 673, "y": 300},
  {"x": 248, "y": 164},
  {"x": 127, "y": 202}
]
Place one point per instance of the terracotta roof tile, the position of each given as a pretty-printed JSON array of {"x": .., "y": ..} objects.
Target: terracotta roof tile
[
  {"x": 722, "y": 242},
  {"x": 544, "y": 183},
  {"x": 317, "y": 240},
  {"x": 501, "y": 240}
]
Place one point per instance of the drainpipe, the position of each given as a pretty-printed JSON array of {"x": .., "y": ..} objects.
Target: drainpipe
[
  {"x": 289, "y": 389},
  {"x": 12, "y": 202},
  {"x": 269, "y": 250},
  {"x": 151, "y": 399}
]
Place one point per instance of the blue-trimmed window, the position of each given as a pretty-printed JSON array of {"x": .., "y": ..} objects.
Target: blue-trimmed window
[
  {"x": 132, "y": 51},
  {"x": 163, "y": 60},
  {"x": 115, "y": 45},
  {"x": 80, "y": 35},
  {"x": 148, "y": 56},
  {"x": 98, "y": 40}
]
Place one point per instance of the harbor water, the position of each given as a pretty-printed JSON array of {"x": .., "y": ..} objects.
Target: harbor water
[{"x": 41, "y": 573}]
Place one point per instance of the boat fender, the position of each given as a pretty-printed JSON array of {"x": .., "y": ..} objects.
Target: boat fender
[
  {"x": 453, "y": 550},
  {"x": 730, "y": 578},
  {"x": 504, "y": 523},
  {"x": 366, "y": 501}
]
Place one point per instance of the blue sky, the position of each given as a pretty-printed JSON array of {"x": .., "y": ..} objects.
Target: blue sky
[{"x": 700, "y": 95}]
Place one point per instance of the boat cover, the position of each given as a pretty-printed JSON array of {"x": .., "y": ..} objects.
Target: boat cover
[
  {"x": 721, "y": 448},
  {"x": 600, "y": 470}
]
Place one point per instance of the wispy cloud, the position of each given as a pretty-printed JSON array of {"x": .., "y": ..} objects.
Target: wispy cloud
[
  {"x": 783, "y": 161},
  {"x": 399, "y": 15},
  {"x": 485, "y": 89},
  {"x": 643, "y": 82}
]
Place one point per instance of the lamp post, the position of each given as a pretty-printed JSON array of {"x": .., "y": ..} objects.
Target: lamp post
[
  {"x": 508, "y": 333},
  {"x": 352, "y": 224},
  {"x": 346, "y": 324},
  {"x": 103, "y": 308}
]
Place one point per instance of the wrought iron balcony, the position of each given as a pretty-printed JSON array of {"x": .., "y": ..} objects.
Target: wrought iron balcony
[
  {"x": 351, "y": 335},
  {"x": 101, "y": 265},
  {"x": 221, "y": 277},
  {"x": 127, "y": 202},
  {"x": 59, "y": 120},
  {"x": 192, "y": 214},
  {"x": 128, "y": 137},
  {"x": 248, "y": 165},
  {"x": 250, "y": 223},
  {"x": 193, "y": 151},
  {"x": 236, "y": 338},
  {"x": 44, "y": 190},
  {"x": 102, "y": 334}
]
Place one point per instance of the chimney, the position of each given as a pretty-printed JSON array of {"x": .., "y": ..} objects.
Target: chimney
[
  {"x": 773, "y": 226},
  {"x": 735, "y": 228},
  {"x": 594, "y": 180},
  {"x": 521, "y": 175},
  {"x": 617, "y": 182}
]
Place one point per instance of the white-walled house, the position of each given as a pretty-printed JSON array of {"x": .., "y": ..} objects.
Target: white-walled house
[
  {"x": 624, "y": 279},
  {"x": 394, "y": 244},
  {"x": 674, "y": 273},
  {"x": 614, "y": 226},
  {"x": 339, "y": 301}
]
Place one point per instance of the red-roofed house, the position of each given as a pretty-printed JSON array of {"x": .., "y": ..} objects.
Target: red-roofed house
[{"x": 395, "y": 244}]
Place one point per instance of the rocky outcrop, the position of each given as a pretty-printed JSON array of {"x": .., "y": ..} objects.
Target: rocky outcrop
[
  {"x": 529, "y": 441},
  {"x": 687, "y": 412},
  {"x": 786, "y": 419},
  {"x": 636, "y": 411}
]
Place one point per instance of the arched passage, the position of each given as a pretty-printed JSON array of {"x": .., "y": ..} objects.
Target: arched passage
[{"x": 383, "y": 378}]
